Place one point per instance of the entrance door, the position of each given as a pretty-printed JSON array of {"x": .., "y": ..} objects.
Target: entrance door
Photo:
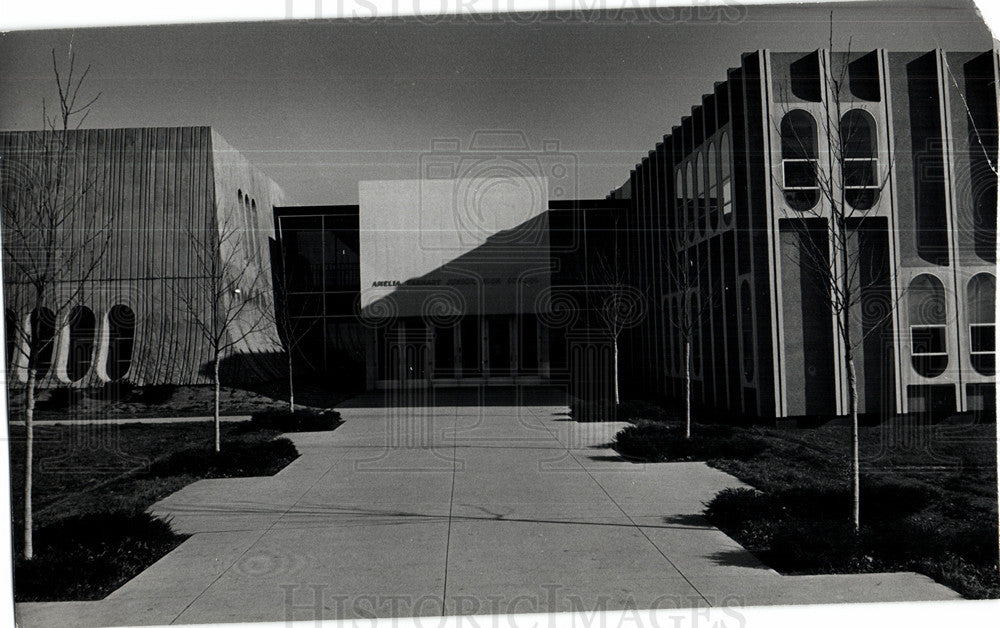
[
  {"x": 444, "y": 352},
  {"x": 415, "y": 351},
  {"x": 415, "y": 361},
  {"x": 406, "y": 353}
]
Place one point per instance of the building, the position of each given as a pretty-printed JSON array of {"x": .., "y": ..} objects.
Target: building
[
  {"x": 164, "y": 207},
  {"x": 409, "y": 289},
  {"x": 485, "y": 272},
  {"x": 727, "y": 191}
]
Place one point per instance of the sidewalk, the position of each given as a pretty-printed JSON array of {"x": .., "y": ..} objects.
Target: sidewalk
[{"x": 422, "y": 510}]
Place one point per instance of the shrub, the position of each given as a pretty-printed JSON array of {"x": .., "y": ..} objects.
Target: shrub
[
  {"x": 881, "y": 500},
  {"x": 238, "y": 458},
  {"x": 158, "y": 394},
  {"x": 807, "y": 529},
  {"x": 111, "y": 391},
  {"x": 647, "y": 441},
  {"x": 895, "y": 498},
  {"x": 732, "y": 507},
  {"x": 739, "y": 446},
  {"x": 62, "y": 398},
  {"x": 592, "y": 411},
  {"x": 978, "y": 582},
  {"x": 918, "y": 536},
  {"x": 88, "y": 556},
  {"x": 657, "y": 442},
  {"x": 817, "y": 546},
  {"x": 634, "y": 411},
  {"x": 302, "y": 420}
]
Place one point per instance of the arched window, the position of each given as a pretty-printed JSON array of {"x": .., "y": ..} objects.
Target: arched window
[
  {"x": 857, "y": 139},
  {"x": 725, "y": 182},
  {"x": 681, "y": 207},
  {"x": 82, "y": 328},
  {"x": 241, "y": 202},
  {"x": 713, "y": 185},
  {"x": 699, "y": 186},
  {"x": 121, "y": 341},
  {"x": 10, "y": 334},
  {"x": 981, "y": 302},
  {"x": 798, "y": 160},
  {"x": 689, "y": 201},
  {"x": 255, "y": 227},
  {"x": 746, "y": 331},
  {"x": 247, "y": 240},
  {"x": 43, "y": 329},
  {"x": 928, "y": 330}
]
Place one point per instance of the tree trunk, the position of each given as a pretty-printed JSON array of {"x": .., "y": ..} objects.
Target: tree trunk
[
  {"x": 615, "y": 348},
  {"x": 687, "y": 389},
  {"x": 29, "y": 455},
  {"x": 291, "y": 385},
  {"x": 852, "y": 384},
  {"x": 215, "y": 416}
]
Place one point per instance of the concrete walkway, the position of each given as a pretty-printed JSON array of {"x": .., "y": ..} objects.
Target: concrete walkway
[{"x": 455, "y": 509}]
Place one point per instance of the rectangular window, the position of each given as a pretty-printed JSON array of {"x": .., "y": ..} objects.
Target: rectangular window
[
  {"x": 340, "y": 303},
  {"x": 799, "y": 174},
  {"x": 982, "y": 339},
  {"x": 471, "y": 338},
  {"x": 860, "y": 173},
  {"x": 305, "y": 305},
  {"x": 928, "y": 340}
]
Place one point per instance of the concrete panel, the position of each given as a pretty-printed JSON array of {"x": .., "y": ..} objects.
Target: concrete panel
[{"x": 453, "y": 246}]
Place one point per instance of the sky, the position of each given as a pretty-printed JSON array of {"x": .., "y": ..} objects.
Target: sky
[{"x": 321, "y": 105}]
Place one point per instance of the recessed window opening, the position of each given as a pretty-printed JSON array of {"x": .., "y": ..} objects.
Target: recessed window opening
[
  {"x": 799, "y": 160},
  {"x": 860, "y": 159}
]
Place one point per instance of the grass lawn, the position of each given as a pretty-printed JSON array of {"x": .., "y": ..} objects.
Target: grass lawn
[
  {"x": 929, "y": 498},
  {"x": 92, "y": 485},
  {"x": 168, "y": 401}
]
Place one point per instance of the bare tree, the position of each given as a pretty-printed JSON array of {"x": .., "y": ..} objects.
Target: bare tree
[
  {"x": 55, "y": 235},
  {"x": 226, "y": 300},
  {"x": 621, "y": 305},
  {"x": 833, "y": 200},
  {"x": 292, "y": 330},
  {"x": 684, "y": 276}
]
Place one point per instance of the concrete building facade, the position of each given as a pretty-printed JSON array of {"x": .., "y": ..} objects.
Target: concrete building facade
[
  {"x": 732, "y": 192},
  {"x": 394, "y": 293},
  {"x": 168, "y": 202}
]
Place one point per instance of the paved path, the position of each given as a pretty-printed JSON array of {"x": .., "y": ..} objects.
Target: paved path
[{"x": 456, "y": 510}]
